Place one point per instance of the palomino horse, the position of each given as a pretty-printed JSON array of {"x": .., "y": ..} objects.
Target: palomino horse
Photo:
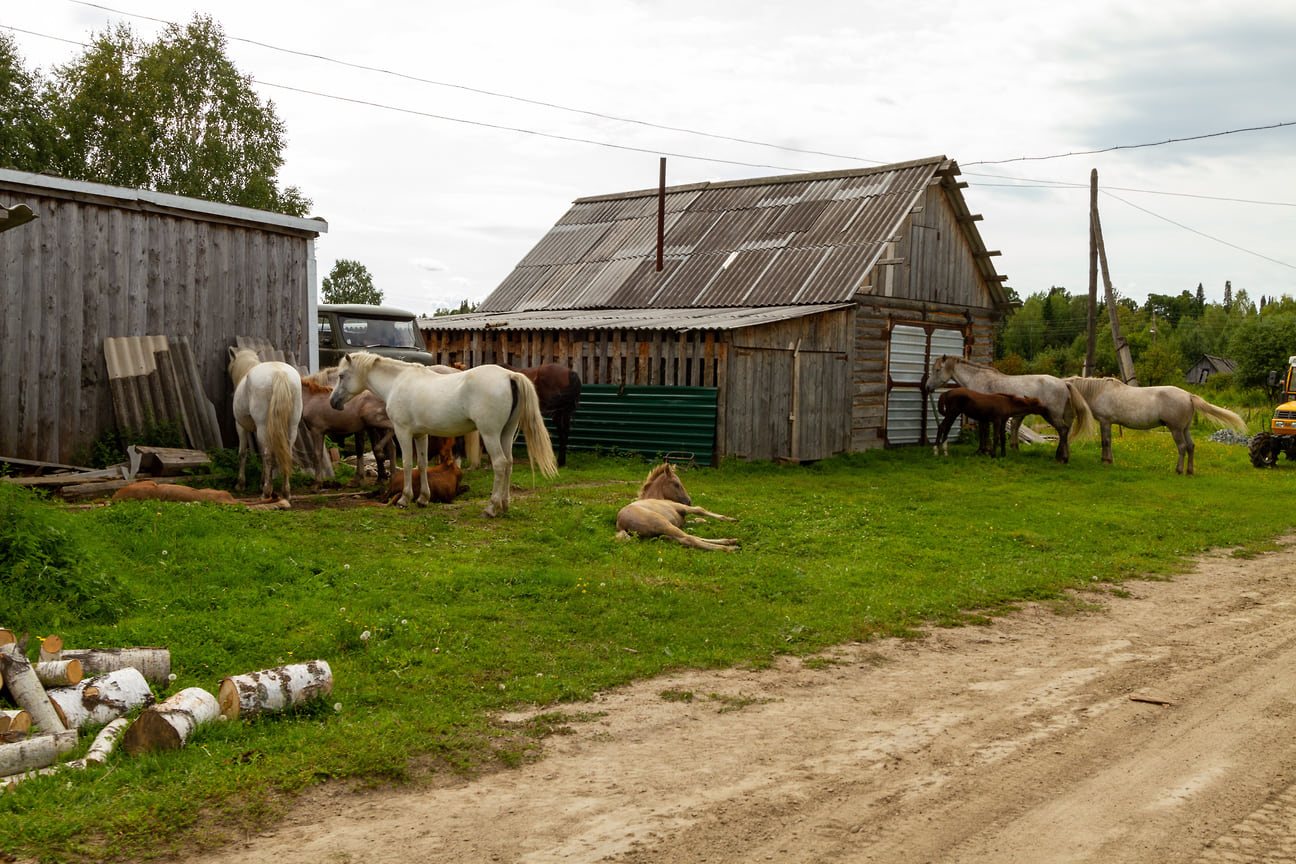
[
  {"x": 660, "y": 511},
  {"x": 559, "y": 390},
  {"x": 364, "y": 415},
  {"x": 488, "y": 399},
  {"x": 990, "y": 411},
  {"x": 1114, "y": 401},
  {"x": 268, "y": 405},
  {"x": 1064, "y": 407}
]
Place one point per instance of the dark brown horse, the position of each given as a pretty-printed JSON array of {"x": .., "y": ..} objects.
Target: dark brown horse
[
  {"x": 991, "y": 411},
  {"x": 559, "y": 390}
]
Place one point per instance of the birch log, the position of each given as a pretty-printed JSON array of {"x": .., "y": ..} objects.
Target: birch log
[
  {"x": 36, "y": 752},
  {"x": 168, "y": 724},
  {"x": 14, "y": 720},
  {"x": 98, "y": 752},
  {"x": 51, "y": 649},
  {"x": 27, "y": 690},
  {"x": 155, "y": 663},
  {"x": 58, "y": 673},
  {"x": 101, "y": 699},
  {"x": 274, "y": 689}
]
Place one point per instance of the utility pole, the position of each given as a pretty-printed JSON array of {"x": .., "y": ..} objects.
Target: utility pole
[
  {"x": 1123, "y": 355},
  {"x": 1091, "y": 323}
]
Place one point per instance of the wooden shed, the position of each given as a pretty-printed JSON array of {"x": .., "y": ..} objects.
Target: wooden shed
[
  {"x": 811, "y": 302},
  {"x": 102, "y": 261}
]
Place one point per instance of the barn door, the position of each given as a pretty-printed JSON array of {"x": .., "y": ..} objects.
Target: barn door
[{"x": 909, "y": 355}]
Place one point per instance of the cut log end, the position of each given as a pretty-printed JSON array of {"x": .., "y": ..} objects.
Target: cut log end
[
  {"x": 228, "y": 698},
  {"x": 150, "y": 733}
]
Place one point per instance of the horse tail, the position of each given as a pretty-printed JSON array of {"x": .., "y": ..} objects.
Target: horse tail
[
  {"x": 280, "y": 419},
  {"x": 1222, "y": 416},
  {"x": 942, "y": 404},
  {"x": 532, "y": 425},
  {"x": 1084, "y": 420}
]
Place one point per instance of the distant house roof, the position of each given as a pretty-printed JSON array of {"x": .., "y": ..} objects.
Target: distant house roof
[
  {"x": 789, "y": 241},
  {"x": 1219, "y": 365}
]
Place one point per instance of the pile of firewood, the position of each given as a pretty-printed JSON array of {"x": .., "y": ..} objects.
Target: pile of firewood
[{"x": 66, "y": 690}]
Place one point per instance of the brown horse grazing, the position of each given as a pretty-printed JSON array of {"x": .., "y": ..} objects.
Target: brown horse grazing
[
  {"x": 660, "y": 512},
  {"x": 559, "y": 389},
  {"x": 991, "y": 411},
  {"x": 365, "y": 415},
  {"x": 444, "y": 480}
]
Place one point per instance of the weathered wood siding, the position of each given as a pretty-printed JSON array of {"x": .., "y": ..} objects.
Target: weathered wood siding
[
  {"x": 90, "y": 267},
  {"x": 805, "y": 360}
]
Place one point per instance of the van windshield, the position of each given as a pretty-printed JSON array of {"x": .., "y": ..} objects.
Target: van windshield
[{"x": 379, "y": 332}]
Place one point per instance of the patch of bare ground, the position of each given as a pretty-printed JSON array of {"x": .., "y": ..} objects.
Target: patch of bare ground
[{"x": 1155, "y": 723}]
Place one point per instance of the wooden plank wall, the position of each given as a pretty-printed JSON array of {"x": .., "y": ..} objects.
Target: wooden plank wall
[{"x": 88, "y": 269}]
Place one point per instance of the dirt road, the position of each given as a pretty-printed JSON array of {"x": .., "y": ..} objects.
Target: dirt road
[{"x": 1015, "y": 742}]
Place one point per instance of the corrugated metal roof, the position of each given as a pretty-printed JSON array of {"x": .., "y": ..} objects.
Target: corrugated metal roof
[
  {"x": 627, "y": 319},
  {"x": 807, "y": 238}
]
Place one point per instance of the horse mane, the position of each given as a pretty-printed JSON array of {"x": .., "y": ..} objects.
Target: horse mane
[
  {"x": 312, "y": 385},
  {"x": 325, "y": 377},
  {"x": 654, "y": 475}
]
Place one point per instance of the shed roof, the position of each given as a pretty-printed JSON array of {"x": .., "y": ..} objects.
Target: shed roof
[
  {"x": 626, "y": 319},
  {"x": 144, "y": 199},
  {"x": 775, "y": 241}
]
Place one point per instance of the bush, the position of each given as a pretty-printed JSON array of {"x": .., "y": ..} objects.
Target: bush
[{"x": 45, "y": 574}]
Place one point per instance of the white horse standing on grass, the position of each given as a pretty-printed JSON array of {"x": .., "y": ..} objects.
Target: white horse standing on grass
[
  {"x": 1065, "y": 406},
  {"x": 267, "y": 405},
  {"x": 420, "y": 402},
  {"x": 1114, "y": 401}
]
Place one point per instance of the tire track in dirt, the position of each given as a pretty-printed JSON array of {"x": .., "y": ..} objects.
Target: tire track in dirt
[{"x": 1013, "y": 742}]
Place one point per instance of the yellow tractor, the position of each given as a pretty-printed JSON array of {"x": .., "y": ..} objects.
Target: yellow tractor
[{"x": 1281, "y": 437}]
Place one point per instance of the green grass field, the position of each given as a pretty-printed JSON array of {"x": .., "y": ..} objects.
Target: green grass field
[{"x": 433, "y": 619}]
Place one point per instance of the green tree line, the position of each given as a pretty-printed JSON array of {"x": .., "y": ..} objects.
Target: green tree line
[
  {"x": 1167, "y": 335},
  {"x": 172, "y": 115}
]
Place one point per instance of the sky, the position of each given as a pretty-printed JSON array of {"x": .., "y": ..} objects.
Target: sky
[{"x": 441, "y": 141}]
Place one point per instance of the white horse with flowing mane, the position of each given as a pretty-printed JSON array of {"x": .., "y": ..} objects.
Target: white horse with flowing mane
[
  {"x": 1065, "y": 408},
  {"x": 1114, "y": 401},
  {"x": 267, "y": 405},
  {"x": 421, "y": 402}
]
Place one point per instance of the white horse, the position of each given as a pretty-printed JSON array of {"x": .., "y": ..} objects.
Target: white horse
[
  {"x": 1114, "y": 401},
  {"x": 421, "y": 402},
  {"x": 267, "y": 404},
  {"x": 1065, "y": 406}
]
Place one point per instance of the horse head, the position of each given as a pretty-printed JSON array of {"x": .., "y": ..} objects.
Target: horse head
[
  {"x": 664, "y": 483},
  {"x": 240, "y": 361},
  {"x": 350, "y": 378},
  {"x": 941, "y": 371}
]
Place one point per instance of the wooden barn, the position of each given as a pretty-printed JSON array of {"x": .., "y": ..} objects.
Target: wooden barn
[
  {"x": 140, "y": 268},
  {"x": 809, "y": 304}
]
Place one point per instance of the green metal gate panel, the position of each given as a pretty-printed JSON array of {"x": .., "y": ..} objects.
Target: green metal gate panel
[{"x": 652, "y": 421}]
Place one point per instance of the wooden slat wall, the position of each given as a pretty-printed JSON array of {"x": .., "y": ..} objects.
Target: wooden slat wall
[{"x": 88, "y": 269}]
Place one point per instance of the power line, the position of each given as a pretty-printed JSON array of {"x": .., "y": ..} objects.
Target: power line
[
  {"x": 497, "y": 95},
  {"x": 1198, "y": 233},
  {"x": 1137, "y": 146}
]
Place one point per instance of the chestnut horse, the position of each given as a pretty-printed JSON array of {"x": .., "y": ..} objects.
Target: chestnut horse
[
  {"x": 559, "y": 390},
  {"x": 660, "y": 511},
  {"x": 365, "y": 415},
  {"x": 990, "y": 411}
]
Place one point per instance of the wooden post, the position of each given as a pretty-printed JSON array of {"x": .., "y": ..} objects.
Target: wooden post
[
  {"x": 1091, "y": 333},
  {"x": 1122, "y": 347}
]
